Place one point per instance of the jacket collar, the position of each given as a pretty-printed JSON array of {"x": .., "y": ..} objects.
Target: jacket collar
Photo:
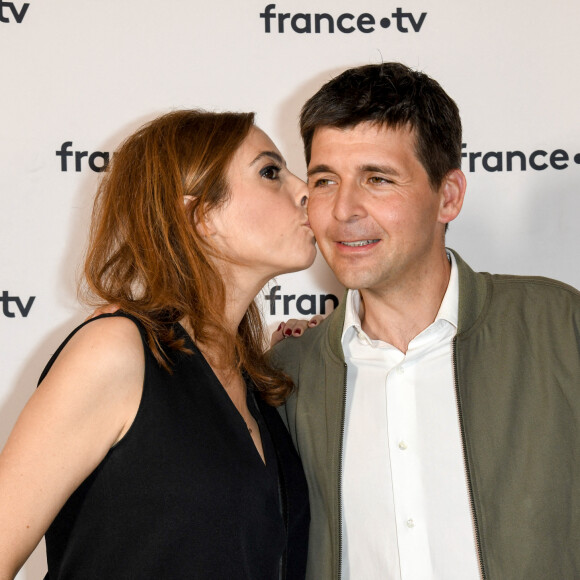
[{"x": 474, "y": 295}]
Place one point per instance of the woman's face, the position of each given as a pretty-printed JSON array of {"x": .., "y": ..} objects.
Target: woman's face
[{"x": 263, "y": 226}]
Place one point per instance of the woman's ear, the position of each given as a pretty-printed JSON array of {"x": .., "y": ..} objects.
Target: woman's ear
[{"x": 203, "y": 223}]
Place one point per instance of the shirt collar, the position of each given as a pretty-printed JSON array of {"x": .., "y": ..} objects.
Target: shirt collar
[
  {"x": 351, "y": 315},
  {"x": 447, "y": 311}
]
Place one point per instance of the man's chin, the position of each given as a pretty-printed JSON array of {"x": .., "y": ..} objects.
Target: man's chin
[{"x": 351, "y": 280}]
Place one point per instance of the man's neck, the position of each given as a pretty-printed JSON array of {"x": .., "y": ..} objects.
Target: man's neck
[{"x": 397, "y": 314}]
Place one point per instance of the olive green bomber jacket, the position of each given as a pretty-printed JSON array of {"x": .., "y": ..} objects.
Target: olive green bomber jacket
[{"x": 517, "y": 375}]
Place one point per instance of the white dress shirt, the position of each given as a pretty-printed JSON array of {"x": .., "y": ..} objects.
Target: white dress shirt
[{"x": 406, "y": 512}]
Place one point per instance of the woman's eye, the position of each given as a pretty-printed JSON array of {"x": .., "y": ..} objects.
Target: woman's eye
[{"x": 270, "y": 172}]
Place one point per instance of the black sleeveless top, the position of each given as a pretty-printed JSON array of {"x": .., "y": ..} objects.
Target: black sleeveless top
[{"x": 185, "y": 493}]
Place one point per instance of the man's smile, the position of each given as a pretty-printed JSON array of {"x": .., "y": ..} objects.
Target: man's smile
[{"x": 358, "y": 243}]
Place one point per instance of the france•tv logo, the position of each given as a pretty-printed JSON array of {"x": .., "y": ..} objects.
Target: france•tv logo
[
  {"x": 23, "y": 308},
  {"x": 7, "y": 8},
  {"x": 346, "y": 23}
]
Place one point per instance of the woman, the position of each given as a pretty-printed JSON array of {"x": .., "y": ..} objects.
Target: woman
[{"x": 150, "y": 448}]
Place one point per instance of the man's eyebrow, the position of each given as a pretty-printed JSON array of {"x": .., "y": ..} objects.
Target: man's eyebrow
[
  {"x": 318, "y": 169},
  {"x": 386, "y": 169},
  {"x": 272, "y": 154}
]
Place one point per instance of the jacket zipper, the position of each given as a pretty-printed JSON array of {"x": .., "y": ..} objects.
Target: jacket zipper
[
  {"x": 466, "y": 465},
  {"x": 339, "y": 575}
]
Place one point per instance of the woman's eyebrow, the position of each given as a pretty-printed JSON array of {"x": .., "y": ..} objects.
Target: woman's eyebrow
[{"x": 272, "y": 154}]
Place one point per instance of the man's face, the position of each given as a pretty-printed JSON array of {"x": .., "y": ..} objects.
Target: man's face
[{"x": 375, "y": 216}]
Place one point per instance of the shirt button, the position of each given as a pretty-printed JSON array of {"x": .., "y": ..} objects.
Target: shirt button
[
  {"x": 400, "y": 370},
  {"x": 402, "y": 446},
  {"x": 410, "y": 524}
]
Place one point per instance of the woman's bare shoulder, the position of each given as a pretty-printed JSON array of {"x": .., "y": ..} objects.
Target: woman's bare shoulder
[{"x": 108, "y": 348}]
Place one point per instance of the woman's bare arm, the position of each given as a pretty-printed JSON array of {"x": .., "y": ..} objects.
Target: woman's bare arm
[{"x": 84, "y": 405}]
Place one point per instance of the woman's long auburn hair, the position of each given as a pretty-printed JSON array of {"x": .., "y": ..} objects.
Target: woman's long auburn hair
[{"x": 146, "y": 255}]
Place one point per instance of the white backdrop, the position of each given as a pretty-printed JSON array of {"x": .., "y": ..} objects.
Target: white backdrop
[{"x": 89, "y": 72}]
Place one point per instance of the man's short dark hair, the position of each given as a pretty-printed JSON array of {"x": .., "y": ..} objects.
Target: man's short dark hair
[{"x": 394, "y": 95}]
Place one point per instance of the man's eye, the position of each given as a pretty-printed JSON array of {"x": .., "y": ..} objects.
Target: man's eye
[
  {"x": 270, "y": 172},
  {"x": 321, "y": 182},
  {"x": 377, "y": 180}
]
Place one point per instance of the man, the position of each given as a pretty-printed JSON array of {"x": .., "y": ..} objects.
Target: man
[{"x": 437, "y": 411}]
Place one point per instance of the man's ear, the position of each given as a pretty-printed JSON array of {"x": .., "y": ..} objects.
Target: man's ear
[
  {"x": 452, "y": 192},
  {"x": 203, "y": 224}
]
